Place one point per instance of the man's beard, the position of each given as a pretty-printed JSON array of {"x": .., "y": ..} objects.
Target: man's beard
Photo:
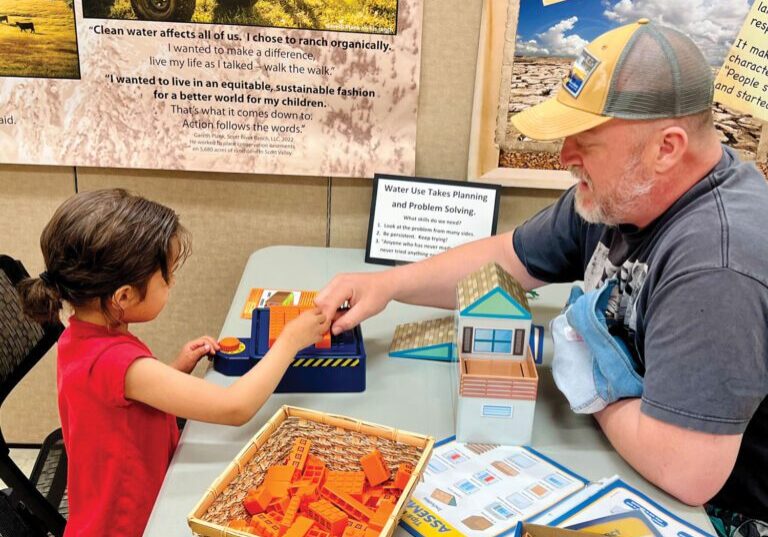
[{"x": 614, "y": 207}]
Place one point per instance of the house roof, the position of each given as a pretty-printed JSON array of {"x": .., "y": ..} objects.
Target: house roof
[
  {"x": 484, "y": 280},
  {"x": 424, "y": 334}
]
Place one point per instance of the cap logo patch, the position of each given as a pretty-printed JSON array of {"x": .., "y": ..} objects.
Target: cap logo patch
[{"x": 580, "y": 72}]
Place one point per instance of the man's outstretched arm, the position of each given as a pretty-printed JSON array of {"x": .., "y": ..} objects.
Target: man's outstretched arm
[
  {"x": 690, "y": 465},
  {"x": 431, "y": 282}
]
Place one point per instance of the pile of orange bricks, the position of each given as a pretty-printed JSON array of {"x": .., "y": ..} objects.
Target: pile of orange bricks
[{"x": 302, "y": 498}]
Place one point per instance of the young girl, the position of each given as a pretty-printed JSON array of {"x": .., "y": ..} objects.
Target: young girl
[{"x": 112, "y": 255}]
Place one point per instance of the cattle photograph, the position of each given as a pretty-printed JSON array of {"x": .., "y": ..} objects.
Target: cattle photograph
[
  {"x": 38, "y": 39},
  {"x": 359, "y": 16}
]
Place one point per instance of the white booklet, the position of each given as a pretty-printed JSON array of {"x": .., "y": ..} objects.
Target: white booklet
[{"x": 481, "y": 490}]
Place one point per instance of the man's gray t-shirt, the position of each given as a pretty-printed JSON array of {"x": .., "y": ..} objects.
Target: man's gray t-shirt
[{"x": 691, "y": 305}]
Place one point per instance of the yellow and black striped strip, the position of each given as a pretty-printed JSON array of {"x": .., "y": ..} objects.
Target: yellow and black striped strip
[{"x": 326, "y": 362}]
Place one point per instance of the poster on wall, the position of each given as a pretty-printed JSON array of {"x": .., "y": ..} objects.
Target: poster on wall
[
  {"x": 298, "y": 87},
  {"x": 548, "y": 40},
  {"x": 742, "y": 81}
]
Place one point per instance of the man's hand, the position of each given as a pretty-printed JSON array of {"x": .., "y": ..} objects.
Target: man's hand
[
  {"x": 193, "y": 351},
  {"x": 367, "y": 294}
]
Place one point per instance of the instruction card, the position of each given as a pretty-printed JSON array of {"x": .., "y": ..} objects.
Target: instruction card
[
  {"x": 482, "y": 490},
  {"x": 264, "y": 298},
  {"x": 415, "y": 218}
]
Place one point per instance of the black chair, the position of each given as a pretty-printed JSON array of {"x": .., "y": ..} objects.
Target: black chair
[{"x": 40, "y": 499}]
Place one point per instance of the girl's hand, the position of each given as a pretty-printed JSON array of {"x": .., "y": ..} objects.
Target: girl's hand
[
  {"x": 305, "y": 330},
  {"x": 193, "y": 351}
]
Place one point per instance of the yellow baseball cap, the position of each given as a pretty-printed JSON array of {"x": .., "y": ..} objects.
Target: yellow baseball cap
[{"x": 637, "y": 71}]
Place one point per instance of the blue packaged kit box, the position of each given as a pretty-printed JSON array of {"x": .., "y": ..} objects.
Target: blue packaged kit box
[{"x": 340, "y": 368}]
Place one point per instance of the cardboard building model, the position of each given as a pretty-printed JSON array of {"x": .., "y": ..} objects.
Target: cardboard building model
[
  {"x": 490, "y": 336},
  {"x": 497, "y": 375}
]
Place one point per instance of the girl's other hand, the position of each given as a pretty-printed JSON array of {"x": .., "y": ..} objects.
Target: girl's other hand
[
  {"x": 306, "y": 329},
  {"x": 193, "y": 351}
]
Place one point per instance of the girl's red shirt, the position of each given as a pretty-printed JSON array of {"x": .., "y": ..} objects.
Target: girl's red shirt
[{"x": 118, "y": 450}]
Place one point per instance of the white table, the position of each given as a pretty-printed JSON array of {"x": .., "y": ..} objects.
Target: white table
[{"x": 413, "y": 395}]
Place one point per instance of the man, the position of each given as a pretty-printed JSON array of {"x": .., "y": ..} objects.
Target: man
[{"x": 676, "y": 220}]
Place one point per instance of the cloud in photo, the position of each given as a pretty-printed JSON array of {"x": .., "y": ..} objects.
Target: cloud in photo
[
  {"x": 711, "y": 24},
  {"x": 553, "y": 42}
]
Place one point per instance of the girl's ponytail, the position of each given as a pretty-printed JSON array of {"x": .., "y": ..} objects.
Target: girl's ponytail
[{"x": 40, "y": 298}]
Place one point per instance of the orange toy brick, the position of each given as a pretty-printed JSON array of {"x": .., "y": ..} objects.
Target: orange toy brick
[
  {"x": 387, "y": 506},
  {"x": 347, "y": 503},
  {"x": 280, "y": 315},
  {"x": 316, "y": 531},
  {"x": 375, "y": 467},
  {"x": 402, "y": 475},
  {"x": 314, "y": 470},
  {"x": 291, "y": 512},
  {"x": 278, "y": 507},
  {"x": 240, "y": 525},
  {"x": 372, "y": 496},
  {"x": 324, "y": 343},
  {"x": 276, "y": 324},
  {"x": 316, "y": 461},
  {"x": 306, "y": 490},
  {"x": 328, "y": 516},
  {"x": 257, "y": 500},
  {"x": 388, "y": 497},
  {"x": 354, "y": 528},
  {"x": 352, "y": 483},
  {"x": 266, "y": 526},
  {"x": 378, "y": 520},
  {"x": 299, "y": 453},
  {"x": 301, "y": 526},
  {"x": 362, "y": 526},
  {"x": 280, "y": 474}
]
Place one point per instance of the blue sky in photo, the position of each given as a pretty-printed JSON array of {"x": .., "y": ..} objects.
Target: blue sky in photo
[
  {"x": 564, "y": 28},
  {"x": 534, "y": 18}
]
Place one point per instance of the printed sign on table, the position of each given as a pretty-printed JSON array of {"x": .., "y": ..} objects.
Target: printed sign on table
[{"x": 414, "y": 218}]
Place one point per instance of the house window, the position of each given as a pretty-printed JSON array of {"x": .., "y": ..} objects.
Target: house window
[
  {"x": 488, "y": 340},
  {"x": 519, "y": 341},
  {"x": 466, "y": 340}
]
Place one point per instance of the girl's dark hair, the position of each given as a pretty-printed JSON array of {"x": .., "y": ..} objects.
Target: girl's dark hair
[{"x": 97, "y": 242}]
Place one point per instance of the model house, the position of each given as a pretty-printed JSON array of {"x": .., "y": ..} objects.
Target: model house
[
  {"x": 494, "y": 317},
  {"x": 497, "y": 374},
  {"x": 490, "y": 336}
]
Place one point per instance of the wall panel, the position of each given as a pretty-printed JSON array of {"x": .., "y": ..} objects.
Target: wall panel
[
  {"x": 28, "y": 197},
  {"x": 449, "y": 53}
]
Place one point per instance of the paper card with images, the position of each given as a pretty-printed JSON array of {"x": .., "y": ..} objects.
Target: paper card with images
[{"x": 482, "y": 490}]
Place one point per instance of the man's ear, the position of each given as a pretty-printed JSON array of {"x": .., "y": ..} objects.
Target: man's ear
[{"x": 672, "y": 146}]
